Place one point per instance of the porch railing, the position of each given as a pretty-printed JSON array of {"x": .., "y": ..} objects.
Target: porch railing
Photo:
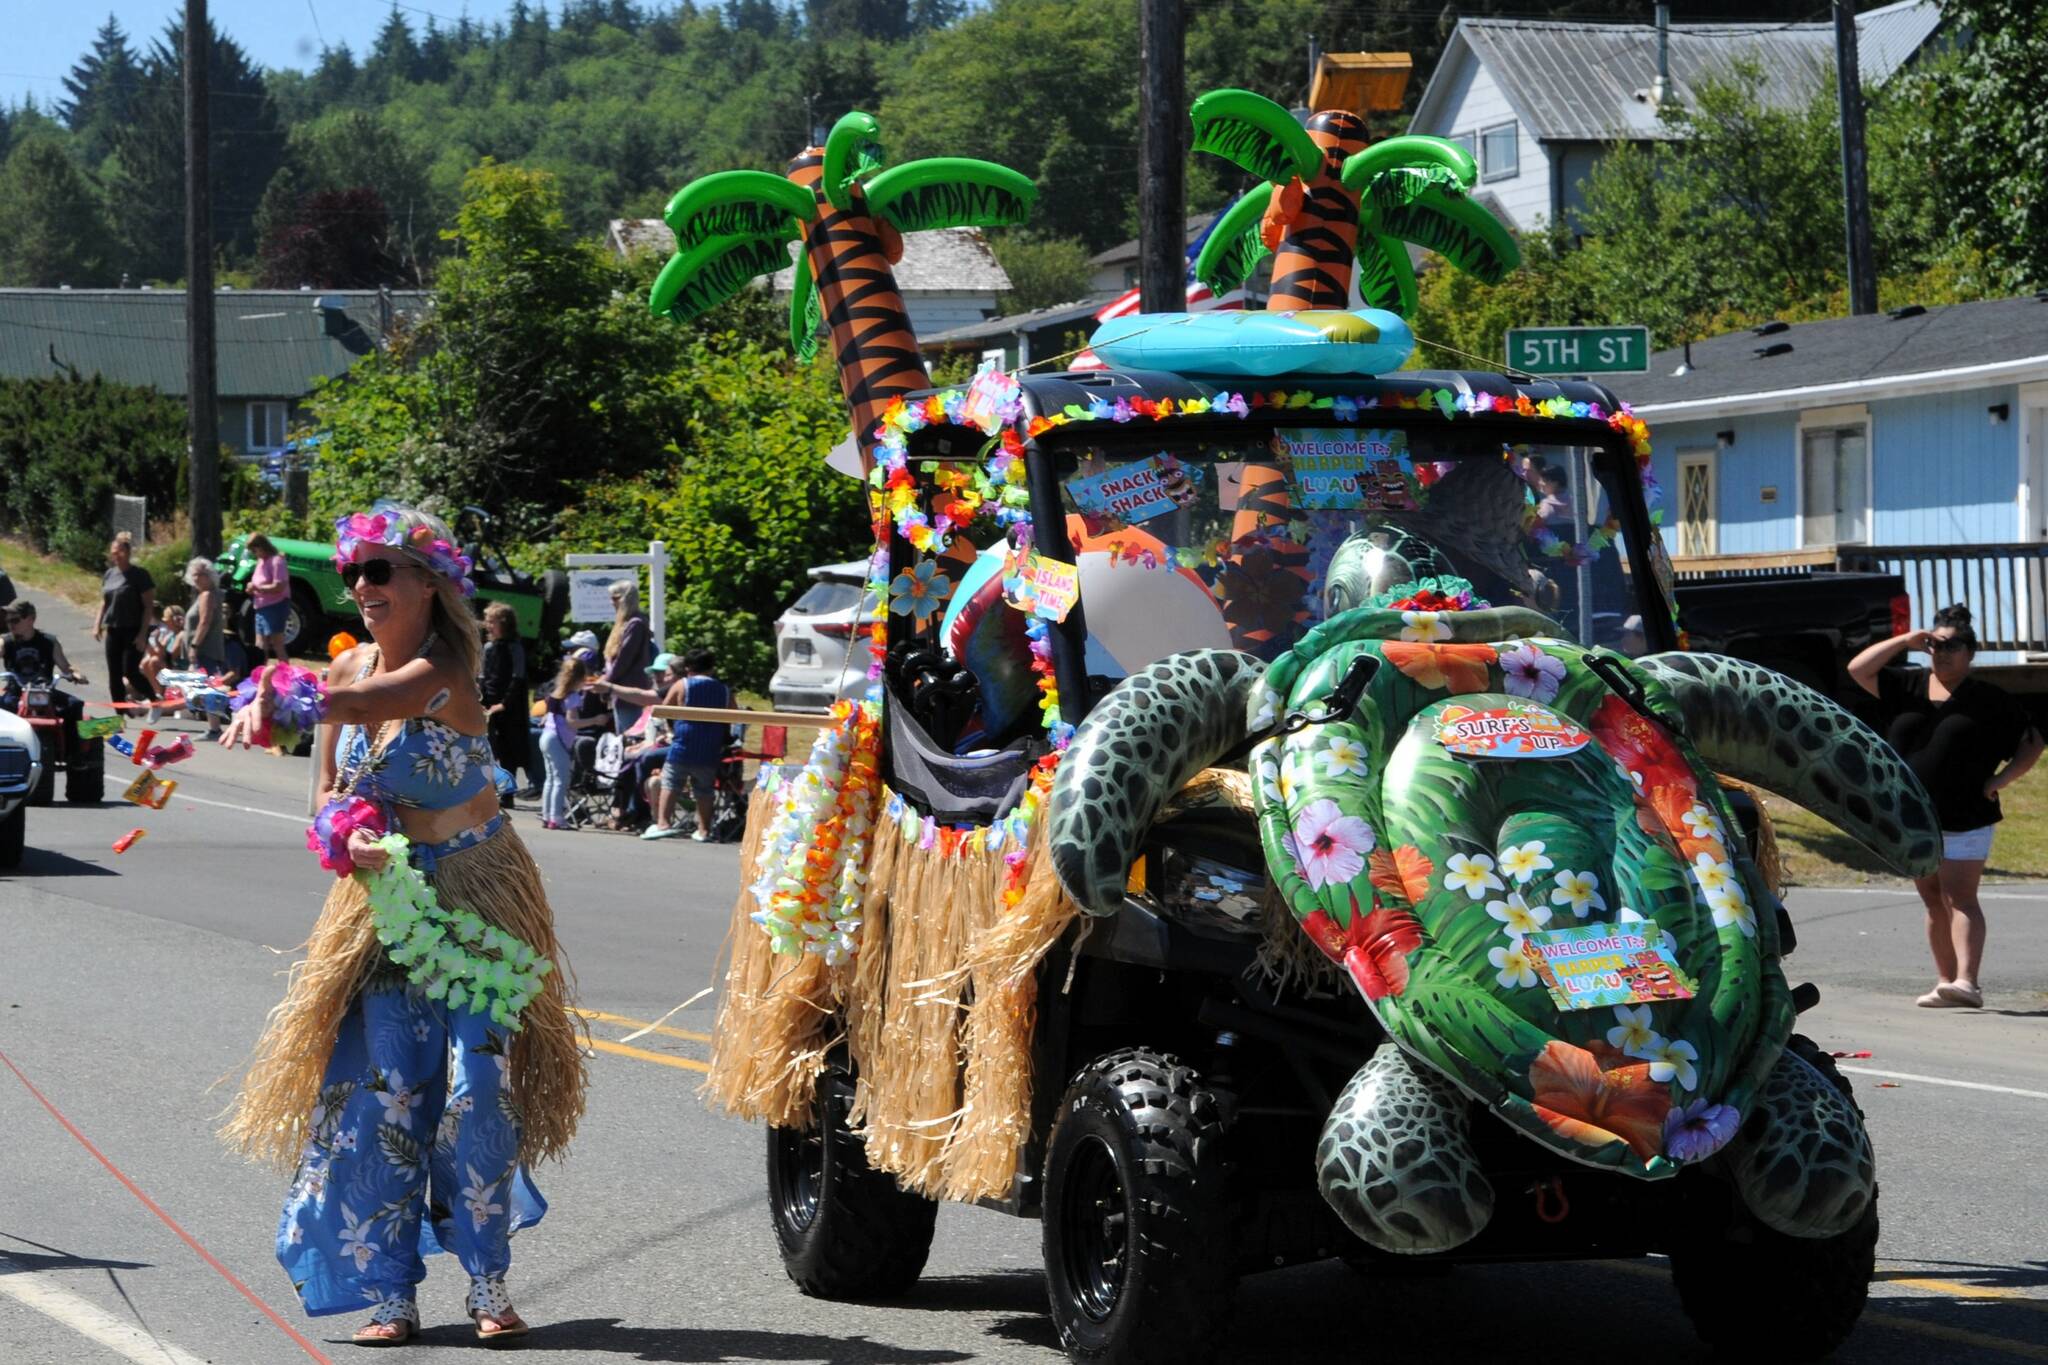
[{"x": 2004, "y": 586}]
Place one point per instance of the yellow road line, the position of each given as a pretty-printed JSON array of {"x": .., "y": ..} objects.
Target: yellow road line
[
  {"x": 1969, "y": 1291},
  {"x": 604, "y": 1018},
  {"x": 643, "y": 1055}
]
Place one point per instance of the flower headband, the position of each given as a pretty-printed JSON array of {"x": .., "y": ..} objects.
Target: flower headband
[{"x": 378, "y": 528}]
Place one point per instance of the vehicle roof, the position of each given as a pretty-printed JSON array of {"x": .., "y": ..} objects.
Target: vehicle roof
[{"x": 1046, "y": 394}]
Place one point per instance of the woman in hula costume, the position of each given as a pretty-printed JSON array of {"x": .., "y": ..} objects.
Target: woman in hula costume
[{"x": 424, "y": 1052}]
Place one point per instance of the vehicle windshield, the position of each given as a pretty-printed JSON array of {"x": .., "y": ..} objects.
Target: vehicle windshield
[{"x": 1247, "y": 542}]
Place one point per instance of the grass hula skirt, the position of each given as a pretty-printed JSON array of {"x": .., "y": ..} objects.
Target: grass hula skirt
[{"x": 498, "y": 881}]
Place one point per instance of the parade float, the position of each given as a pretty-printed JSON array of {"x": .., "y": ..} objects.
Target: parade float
[{"x": 1285, "y": 823}]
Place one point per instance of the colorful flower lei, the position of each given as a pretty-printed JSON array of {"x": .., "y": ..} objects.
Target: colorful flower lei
[
  {"x": 814, "y": 856},
  {"x": 1449, "y": 593},
  {"x": 453, "y": 954},
  {"x": 375, "y": 528},
  {"x": 328, "y": 834},
  {"x": 298, "y": 703}
]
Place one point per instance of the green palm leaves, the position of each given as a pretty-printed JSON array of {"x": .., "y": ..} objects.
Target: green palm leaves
[
  {"x": 735, "y": 225},
  {"x": 1408, "y": 190}
]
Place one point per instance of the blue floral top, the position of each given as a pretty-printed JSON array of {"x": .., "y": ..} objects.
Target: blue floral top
[{"x": 426, "y": 766}]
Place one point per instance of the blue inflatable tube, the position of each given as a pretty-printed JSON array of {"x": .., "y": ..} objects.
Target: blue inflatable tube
[{"x": 1259, "y": 345}]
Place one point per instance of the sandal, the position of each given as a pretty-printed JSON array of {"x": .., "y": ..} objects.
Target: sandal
[
  {"x": 487, "y": 1301},
  {"x": 393, "y": 1324}
]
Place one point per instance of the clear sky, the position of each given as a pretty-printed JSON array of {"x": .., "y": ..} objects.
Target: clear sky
[{"x": 45, "y": 37}]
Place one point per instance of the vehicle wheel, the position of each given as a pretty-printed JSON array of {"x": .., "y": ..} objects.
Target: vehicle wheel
[
  {"x": 1823, "y": 1281},
  {"x": 305, "y": 625},
  {"x": 554, "y": 603},
  {"x": 846, "y": 1230},
  {"x": 85, "y": 780},
  {"x": 13, "y": 835},
  {"x": 45, "y": 792},
  {"x": 1138, "y": 1216}
]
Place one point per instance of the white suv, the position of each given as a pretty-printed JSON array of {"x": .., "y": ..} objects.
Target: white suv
[
  {"x": 21, "y": 767},
  {"x": 821, "y": 652}
]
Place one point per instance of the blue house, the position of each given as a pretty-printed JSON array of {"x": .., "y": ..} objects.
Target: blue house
[{"x": 1917, "y": 440}]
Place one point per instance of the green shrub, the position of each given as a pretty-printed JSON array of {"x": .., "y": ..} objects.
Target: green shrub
[
  {"x": 166, "y": 564},
  {"x": 68, "y": 445}
]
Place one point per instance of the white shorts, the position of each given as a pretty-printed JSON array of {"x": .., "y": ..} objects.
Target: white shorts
[{"x": 1967, "y": 846}]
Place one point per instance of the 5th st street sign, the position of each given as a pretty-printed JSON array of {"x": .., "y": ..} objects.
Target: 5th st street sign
[{"x": 1579, "y": 350}]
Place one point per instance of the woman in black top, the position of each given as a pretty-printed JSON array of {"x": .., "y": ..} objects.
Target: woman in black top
[
  {"x": 1966, "y": 740},
  {"x": 503, "y": 687},
  {"x": 127, "y": 611}
]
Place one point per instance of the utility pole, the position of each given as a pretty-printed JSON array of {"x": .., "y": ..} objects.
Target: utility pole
[
  {"x": 1162, "y": 159},
  {"x": 203, "y": 420},
  {"x": 1855, "y": 166}
]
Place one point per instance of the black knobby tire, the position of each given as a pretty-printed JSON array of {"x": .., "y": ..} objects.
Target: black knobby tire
[
  {"x": 85, "y": 780},
  {"x": 305, "y": 627},
  {"x": 13, "y": 837},
  {"x": 1822, "y": 1282},
  {"x": 1139, "y": 1254},
  {"x": 554, "y": 603},
  {"x": 846, "y": 1231}
]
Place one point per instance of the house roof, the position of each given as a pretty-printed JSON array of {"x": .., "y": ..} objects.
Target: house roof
[
  {"x": 940, "y": 261},
  {"x": 1960, "y": 346},
  {"x": 1581, "y": 82},
  {"x": 1012, "y": 324},
  {"x": 1128, "y": 251},
  {"x": 271, "y": 343}
]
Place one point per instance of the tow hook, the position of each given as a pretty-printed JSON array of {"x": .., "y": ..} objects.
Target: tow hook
[{"x": 1552, "y": 1204}]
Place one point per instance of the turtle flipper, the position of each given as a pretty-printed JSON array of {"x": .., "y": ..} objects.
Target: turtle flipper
[
  {"x": 1396, "y": 1162},
  {"x": 1807, "y": 1169}
]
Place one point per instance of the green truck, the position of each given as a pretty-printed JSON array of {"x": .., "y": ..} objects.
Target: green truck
[{"x": 321, "y": 604}]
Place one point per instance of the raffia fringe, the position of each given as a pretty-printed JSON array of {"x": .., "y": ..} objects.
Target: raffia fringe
[
  {"x": 499, "y": 881},
  {"x": 938, "y": 1008},
  {"x": 1769, "y": 861}
]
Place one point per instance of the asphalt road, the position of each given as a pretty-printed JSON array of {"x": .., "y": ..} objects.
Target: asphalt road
[{"x": 132, "y": 986}]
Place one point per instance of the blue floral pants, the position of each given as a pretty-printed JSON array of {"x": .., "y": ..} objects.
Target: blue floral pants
[{"x": 414, "y": 1117}]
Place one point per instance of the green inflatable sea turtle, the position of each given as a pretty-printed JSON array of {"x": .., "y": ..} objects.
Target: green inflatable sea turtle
[{"x": 1517, "y": 848}]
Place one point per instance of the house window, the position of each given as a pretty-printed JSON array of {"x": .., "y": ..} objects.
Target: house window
[
  {"x": 1834, "y": 480},
  {"x": 266, "y": 426},
  {"x": 1499, "y": 151},
  {"x": 1469, "y": 141},
  {"x": 1696, "y": 503}
]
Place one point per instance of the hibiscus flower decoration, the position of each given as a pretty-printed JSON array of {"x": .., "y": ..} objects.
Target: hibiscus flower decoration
[
  {"x": 1452, "y": 668},
  {"x": 1373, "y": 947},
  {"x": 1699, "y": 1130},
  {"x": 1643, "y": 750},
  {"x": 1329, "y": 846},
  {"x": 1526, "y": 671},
  {"x": 1596, "y": 1106},
  {"x": 920, "y": 591}
]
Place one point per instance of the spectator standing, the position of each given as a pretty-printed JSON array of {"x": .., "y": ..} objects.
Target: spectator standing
[
  {"x": 626, "y": 652},
  {"x": 1966, "y": 740},
  {"x": 270, "y": 594},
  {"x": 695, "y": 752},
  {"x": 205, "y": 639},
  {"x": 503, "y": 689},
  {"x": 127, "y": 610},
  {"x": 563, "y": 706}
]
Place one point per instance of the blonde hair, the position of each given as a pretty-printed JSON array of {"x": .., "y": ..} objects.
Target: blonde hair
[
  {"x": 126, "y": 539},
  {"x": 626, "y": 597},
  {"x": 572, "y": 673}
]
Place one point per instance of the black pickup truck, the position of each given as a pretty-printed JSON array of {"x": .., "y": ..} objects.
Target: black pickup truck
[{"x": 1807, "y": 626}]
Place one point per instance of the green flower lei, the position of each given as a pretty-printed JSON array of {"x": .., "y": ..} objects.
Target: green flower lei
[{"x": 452, "y": 953}]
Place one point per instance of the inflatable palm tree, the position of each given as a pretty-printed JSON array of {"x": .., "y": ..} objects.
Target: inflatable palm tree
[
  {"x": 1331, "y": 199},
  {"x": 850, "y": 213}
]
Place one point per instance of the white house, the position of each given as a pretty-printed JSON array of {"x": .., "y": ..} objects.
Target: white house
[
  {"x": 1538, "y": 103},
  {"x": 949, "y": 276}
]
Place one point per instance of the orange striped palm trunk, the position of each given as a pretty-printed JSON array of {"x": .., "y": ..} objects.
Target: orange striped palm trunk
[{"x": 871, "y": 334}]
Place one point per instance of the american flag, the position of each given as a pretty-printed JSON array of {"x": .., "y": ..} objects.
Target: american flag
[{"x": 1200, "y": 297}]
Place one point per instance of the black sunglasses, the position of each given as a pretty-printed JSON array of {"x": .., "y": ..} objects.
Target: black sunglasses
[
  {"x": 1945, "y": 646},
  {"x": 375, "y": 572}
]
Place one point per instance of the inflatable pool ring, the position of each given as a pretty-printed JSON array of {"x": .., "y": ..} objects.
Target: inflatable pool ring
[{"x": 1334, "y": 342}]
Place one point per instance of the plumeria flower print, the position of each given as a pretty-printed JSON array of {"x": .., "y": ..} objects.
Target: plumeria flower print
[
  {"x": 1473, "y": 875},
  {"x": 1704, "y": 824},
  {"x": 1713, "y": 874},
  {"x": 1344, "y": 757},
  {"x": 476, "y": 1197},
  {"x": 1579, "y": 890},
  {"x": 355, "y": 1239},
  {"x": 1425, "y": 627},
  {"x": 1632, "y": 1032},
  {"x": 1526, "y": 671},
  {"x": 1267, "y": 712},
  {"x": 1513, "y": 963},
  {"x": 1330, "y": 846},
  {"x": 1730, "y": 907},
  {"x": 1672, "y": 1060},
  {"x": 398, "y": 1100},
  {"x": 1517, "y": 916},
  {"x": 1523, "y": 861},
  {"x": 345, "y": 1141}
]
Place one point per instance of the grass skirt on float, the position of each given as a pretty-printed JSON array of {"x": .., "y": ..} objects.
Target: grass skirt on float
[{"x": 497, "y": 879}]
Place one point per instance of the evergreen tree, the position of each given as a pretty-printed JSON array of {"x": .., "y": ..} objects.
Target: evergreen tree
[
  {"x": 394, "y": 58},
  {"x": 246, "y": 142},
  {"x": 53, "y": 230},
  {"x": 102, "y": 89},
  {"x": 437, "y": 55}
]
